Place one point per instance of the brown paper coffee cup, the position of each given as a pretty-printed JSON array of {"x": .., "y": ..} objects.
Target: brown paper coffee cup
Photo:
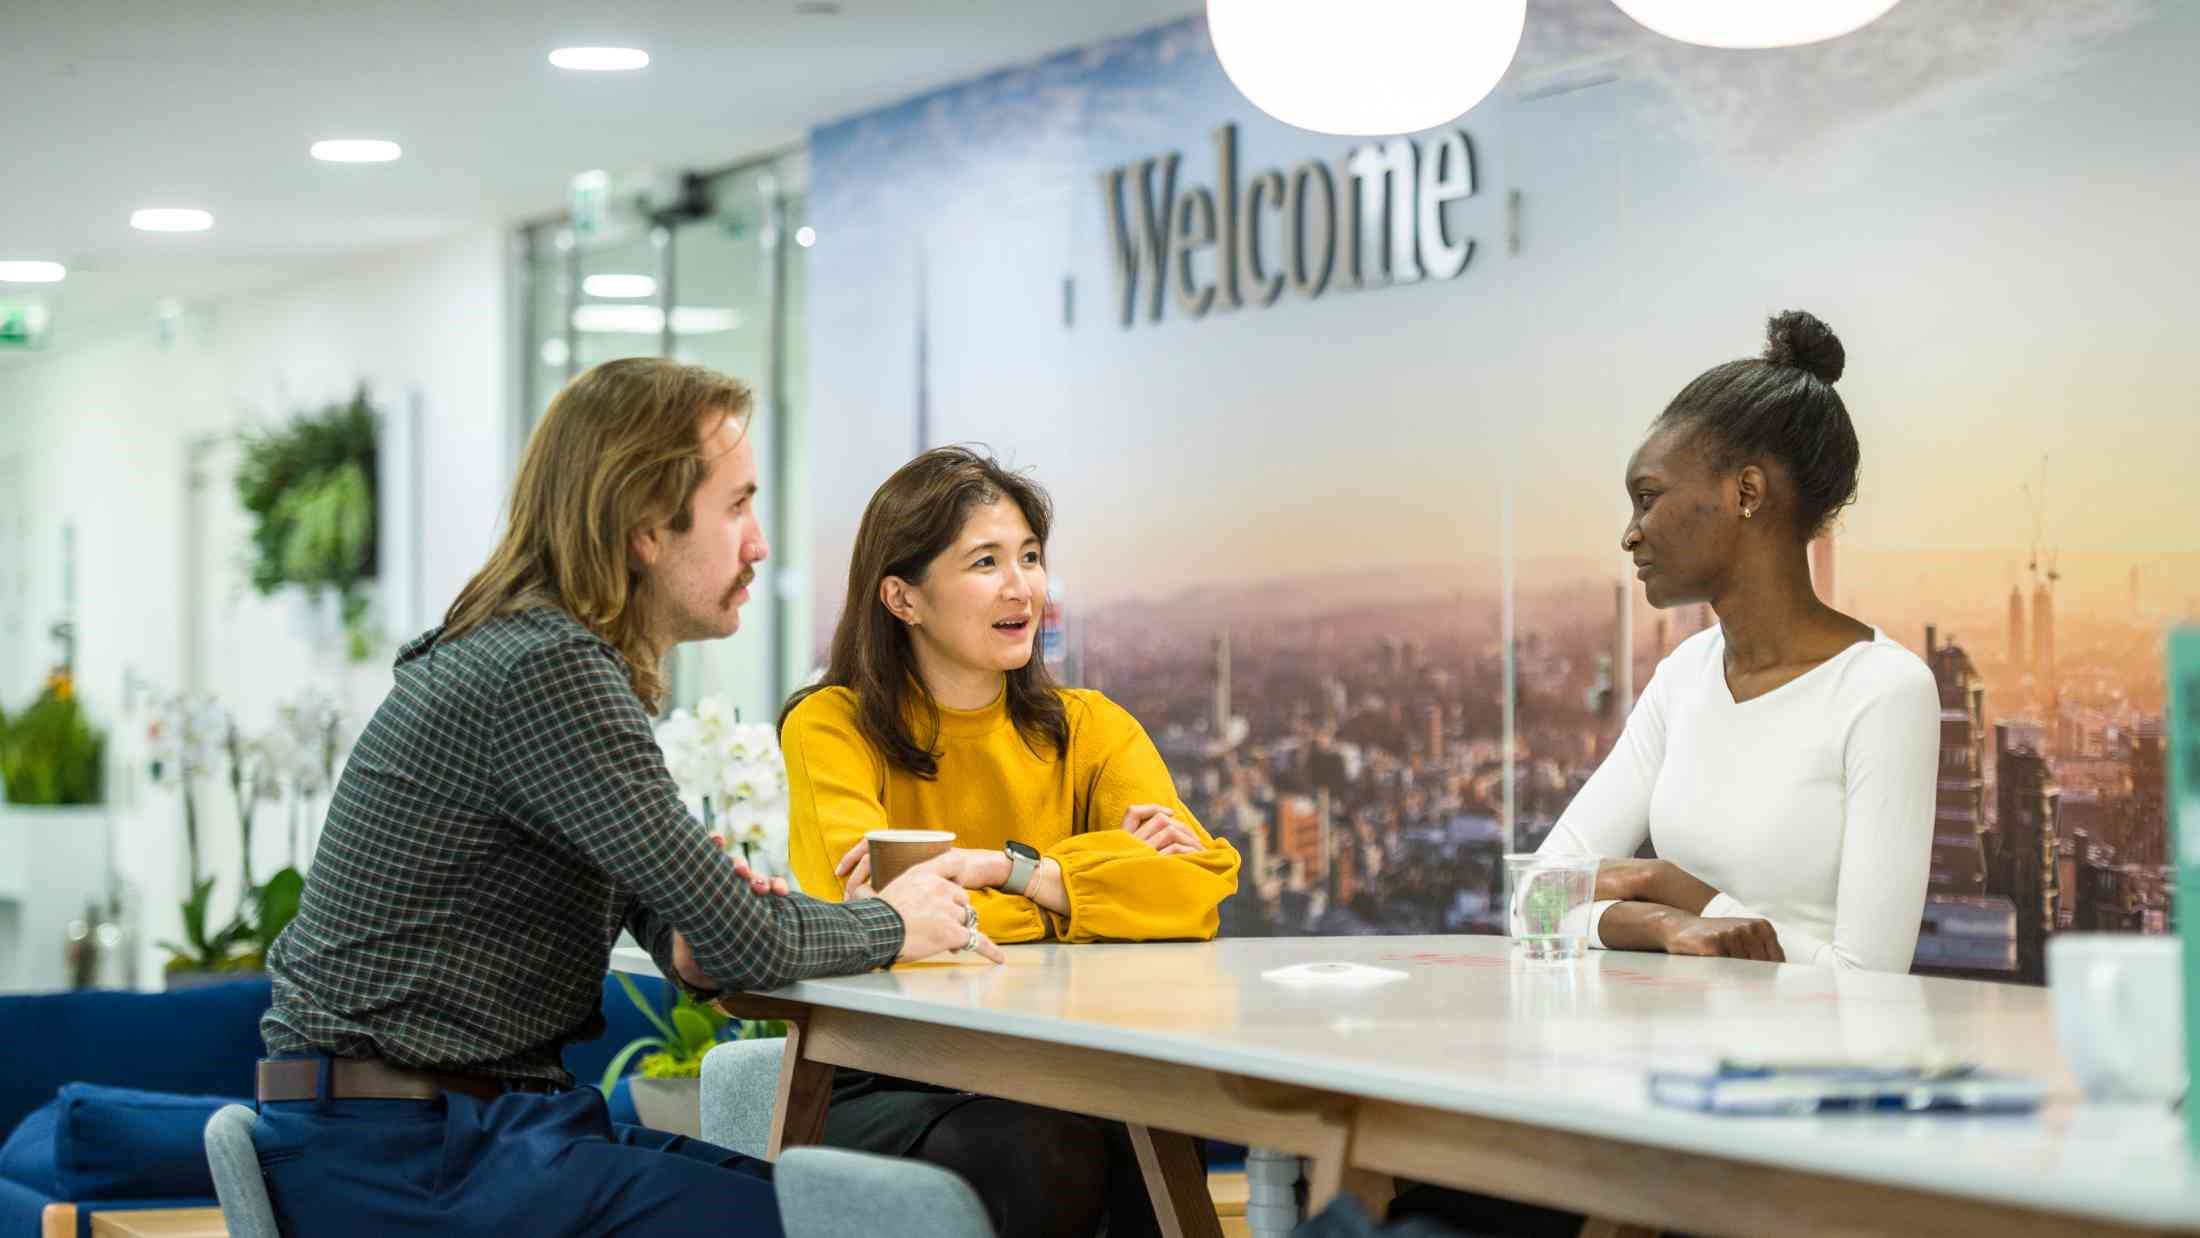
[{"x": 894, "y": 852}]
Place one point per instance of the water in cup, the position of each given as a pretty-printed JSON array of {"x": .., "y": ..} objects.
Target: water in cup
[{"x": 1547, "y": 901}]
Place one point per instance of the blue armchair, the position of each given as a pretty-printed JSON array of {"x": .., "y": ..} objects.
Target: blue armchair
[{"x": 106, "y": 1094}]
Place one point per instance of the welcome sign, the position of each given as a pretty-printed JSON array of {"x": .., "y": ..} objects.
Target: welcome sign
[{"x": 1380, "y": 210}]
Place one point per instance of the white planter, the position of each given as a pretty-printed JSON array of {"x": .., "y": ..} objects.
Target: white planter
[
  {"x": 53, "y": 862},
  {"x": 674, "y": 1105}
]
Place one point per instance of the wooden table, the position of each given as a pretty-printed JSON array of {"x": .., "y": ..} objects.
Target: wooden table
[
  {"x": 1530, "y": 1084},
  {"x": 160, "y": 1223}
]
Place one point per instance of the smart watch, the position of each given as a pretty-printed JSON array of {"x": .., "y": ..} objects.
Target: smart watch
[{"x": 1023, "y": 861}]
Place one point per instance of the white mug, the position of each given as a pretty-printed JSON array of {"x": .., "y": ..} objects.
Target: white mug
[{"x": 2120, "y": 1014}]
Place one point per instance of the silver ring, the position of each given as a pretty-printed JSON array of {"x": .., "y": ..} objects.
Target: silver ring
[
  {"x": 971, "y": 946},
  {"x": 970, "y": 916}
]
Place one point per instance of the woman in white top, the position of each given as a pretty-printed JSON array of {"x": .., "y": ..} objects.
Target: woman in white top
[{"x": 1781, "y": 763}]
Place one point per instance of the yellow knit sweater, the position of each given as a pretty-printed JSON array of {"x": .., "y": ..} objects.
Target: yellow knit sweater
[{"x": 992, "y": 787}]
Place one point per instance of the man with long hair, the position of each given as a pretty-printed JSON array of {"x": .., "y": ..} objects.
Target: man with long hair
[{"x": 505, "y": 814}]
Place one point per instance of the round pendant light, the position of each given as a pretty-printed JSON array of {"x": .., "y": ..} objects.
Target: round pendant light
[
  {"x": 1754, "y": 23},
  {"x": 1369, "y": 67}
]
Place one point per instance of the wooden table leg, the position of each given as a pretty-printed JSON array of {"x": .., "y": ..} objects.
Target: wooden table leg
[
  {"x": 805, "y": 1090},
  {"x": 1330, "y": 1173},
  {"x": 1177, "y": 1181}
]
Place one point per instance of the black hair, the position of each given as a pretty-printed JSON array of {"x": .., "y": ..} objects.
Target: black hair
[{"x": 1782, "y": 406}]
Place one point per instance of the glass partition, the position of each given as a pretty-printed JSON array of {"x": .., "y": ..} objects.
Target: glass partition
[{"x": 719, "y": 286}]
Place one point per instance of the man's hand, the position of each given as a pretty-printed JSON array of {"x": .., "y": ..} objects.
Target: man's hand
[
  {"x": 936, "y": 915},
  {"x": 974, "y": 870},
  {"x": 1652, "y": 881},
  {"x": 1152, "y": 825},
  {"x": 774, "y": 886},
  {"x": 1723, "y": 938}
]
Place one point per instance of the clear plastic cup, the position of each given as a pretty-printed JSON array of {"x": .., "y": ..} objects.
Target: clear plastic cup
[{"x": 1547, "y": 901}]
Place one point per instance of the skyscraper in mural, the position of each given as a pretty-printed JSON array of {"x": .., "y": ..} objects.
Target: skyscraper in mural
[
  {"x": 2043, "y": 636},
  {"x": 923, "y": 402},
  {"x": 1965, "y": 928},
  {"x": 1959, "y": 802},
  {"x": 2026, "y": 859}
]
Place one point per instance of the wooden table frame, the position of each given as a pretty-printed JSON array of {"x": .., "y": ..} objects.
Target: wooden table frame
[{"x": 1357, "y": 1145}]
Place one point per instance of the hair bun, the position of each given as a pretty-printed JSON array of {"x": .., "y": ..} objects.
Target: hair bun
[{"x": 1797, "y": 338}]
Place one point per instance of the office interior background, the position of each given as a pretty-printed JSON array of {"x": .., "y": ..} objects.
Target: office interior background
[{"x": 1341, "y": 531}]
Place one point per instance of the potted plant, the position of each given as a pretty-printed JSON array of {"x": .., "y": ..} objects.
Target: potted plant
[
  {"x": 185, "y": 738},
  {"x": 310, "y": 489},
  {"x": 668, "y": 1085},
  {"x": 56, "y": 840},
  {"x": 50, "y": 754}
]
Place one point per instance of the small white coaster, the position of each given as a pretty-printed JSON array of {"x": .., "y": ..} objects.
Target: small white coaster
[{"x": 1332, "y": 975}]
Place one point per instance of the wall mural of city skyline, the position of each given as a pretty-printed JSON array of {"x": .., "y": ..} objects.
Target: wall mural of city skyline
[{"x": 1294, "y": 532}]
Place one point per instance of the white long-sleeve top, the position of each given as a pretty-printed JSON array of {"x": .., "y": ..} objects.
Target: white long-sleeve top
[{"x": 1810, "y": 806}]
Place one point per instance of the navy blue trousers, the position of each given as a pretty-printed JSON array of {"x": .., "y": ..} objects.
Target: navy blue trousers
[{"x": 544, "y": 1165}]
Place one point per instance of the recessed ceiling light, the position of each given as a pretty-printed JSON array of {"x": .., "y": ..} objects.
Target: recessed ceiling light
[
  {"x": 619, "y": 287},
  {"x": 805, "y": 236},
  {"x": 26, "y": 271},
  {"x": 170, "y": 219},
  {"x": 600, "y": 59},
  {"x": 356, "y": 150}
]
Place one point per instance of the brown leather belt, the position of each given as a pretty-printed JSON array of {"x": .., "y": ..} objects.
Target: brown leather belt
[{"x": 366, "y": 1078}]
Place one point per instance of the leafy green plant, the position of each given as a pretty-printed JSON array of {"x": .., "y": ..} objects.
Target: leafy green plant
[
  {"x": 242, "y": 944},
  {"x": 685, "y": 1033},
  {"x": 310, "y": 487},
  {"x": 205, "y": 948},
  {"x": 50, "y": 753},
  {"x": 275, "y": 905}
]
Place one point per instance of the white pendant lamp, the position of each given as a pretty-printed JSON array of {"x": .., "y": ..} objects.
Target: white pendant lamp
[
  {"x": 1754, "y": 23},
  {"x": 1365, "y": 67}
]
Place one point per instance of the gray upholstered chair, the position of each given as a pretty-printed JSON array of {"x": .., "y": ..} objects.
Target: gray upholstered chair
[
  {"x": 237, "y": 1179},
  {"x": 740, "y": 1087},
  {"x": 830, "y": 1193}
]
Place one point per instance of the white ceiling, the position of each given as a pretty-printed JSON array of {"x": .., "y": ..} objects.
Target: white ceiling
[{"x": 118, "y": 105}]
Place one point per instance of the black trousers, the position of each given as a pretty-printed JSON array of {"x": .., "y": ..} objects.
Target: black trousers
[{"x": 1041, "y": 1173}]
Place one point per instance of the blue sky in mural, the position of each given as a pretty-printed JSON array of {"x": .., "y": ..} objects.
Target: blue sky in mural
[{"x": 1965, "y": 190}]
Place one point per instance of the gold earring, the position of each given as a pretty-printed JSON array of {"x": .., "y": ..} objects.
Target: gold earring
[{"x": 1746, "y": 513}]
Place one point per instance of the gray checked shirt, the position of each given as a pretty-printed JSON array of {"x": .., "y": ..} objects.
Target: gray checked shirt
[{"x": 505, "y": 813}]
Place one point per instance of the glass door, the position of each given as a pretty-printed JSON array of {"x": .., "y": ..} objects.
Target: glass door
[{"x": 724, "y": 289}]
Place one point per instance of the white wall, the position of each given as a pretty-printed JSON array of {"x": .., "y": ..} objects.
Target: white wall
[{"x": 98, "y": 433}]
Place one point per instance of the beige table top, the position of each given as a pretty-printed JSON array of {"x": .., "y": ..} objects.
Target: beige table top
[{"x": 1457, "y": 1028}]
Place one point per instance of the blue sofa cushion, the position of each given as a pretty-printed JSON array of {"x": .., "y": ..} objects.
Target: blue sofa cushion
[
  {"x": 26, "y": 1159},
  {"x": 204, "y": 1040},
  {"x": 118, "y": 1143},
  {"x": 22, "y": 1210}
]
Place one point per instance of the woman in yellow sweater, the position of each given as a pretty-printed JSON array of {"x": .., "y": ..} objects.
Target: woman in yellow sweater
[{"x": 934, "y": 714}]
